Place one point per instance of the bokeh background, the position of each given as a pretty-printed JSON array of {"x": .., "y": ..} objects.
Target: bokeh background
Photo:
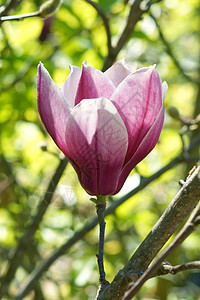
[{"x": 168, "y": 36}]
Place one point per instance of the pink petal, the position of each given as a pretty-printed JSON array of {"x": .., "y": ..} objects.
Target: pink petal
[
  {"x": 145, "y": 147},
  {"x": 138, "y": 100},
  {"x": 70, "y": 85},
  {"x": 93, "y": 84},
  {"x": 97, "y": 140},
  {"x": 118, "y": 72},
  {"x": 53, "y": 108}
]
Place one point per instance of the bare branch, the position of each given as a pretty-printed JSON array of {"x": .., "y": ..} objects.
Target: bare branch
[
  {"x": 19, "y": 17},
  {"x": 182, "y": 205},
  {"x": 169, "y": 269},
  {"x": 37, "y": 273},
  {"x": 21, "y": 74},
  {"x": 188, "y": 228},
  {"x": 47, "y": 9},
  {"x": 17, "y": 188},
  {"x": 135, "y": 14},
  {"x": 27, "y": 238},
  {"x": 195, "y": 133},
  {"x": 9, "y": 6},
  {"x": 170, "y": 52},
  {"x": 106, "y": 23}
]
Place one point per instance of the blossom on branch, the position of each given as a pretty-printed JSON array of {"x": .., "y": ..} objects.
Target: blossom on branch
[{"x": 105, "y": 123}]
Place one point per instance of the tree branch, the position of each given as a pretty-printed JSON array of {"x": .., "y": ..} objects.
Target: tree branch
[
  {"x": 170, "y": 52},
  {"x": 135, "y": 14},
  {"x": 27, "y": 238},
  {"x": 19, "y": 17},
  {"x": 47, "y": 9},
  {"x": 105, "y": 22},
  {"x": 4, "y": 10},
  {"x": 169, "y": 269},
  {"x": 13, "y": 182},
  {"x": 182, "y": 205},
  {"x": 21, "y": 74},
  {"x": 38, "y": 271},
  {"x": 188, "y": 228}
]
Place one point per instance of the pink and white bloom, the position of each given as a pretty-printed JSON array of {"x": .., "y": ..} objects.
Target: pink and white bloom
[{"x": 105, "y": 123}]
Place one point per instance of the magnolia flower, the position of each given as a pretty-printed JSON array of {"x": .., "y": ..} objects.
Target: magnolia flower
[{"x": 105, "y": 123}]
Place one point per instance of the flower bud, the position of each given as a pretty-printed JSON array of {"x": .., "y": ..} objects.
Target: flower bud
[
  {"x": 43, "y": 146},
  {"x": 104, "y": 123},
  {"x": 174, "y": 113},
  {"x": 49, "y": 8}
]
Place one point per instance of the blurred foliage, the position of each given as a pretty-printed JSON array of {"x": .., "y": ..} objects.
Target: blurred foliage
[{"x": 75, "y": 34}]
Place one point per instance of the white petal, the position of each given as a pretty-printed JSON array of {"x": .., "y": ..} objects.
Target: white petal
[
  {"x": 70, "y": 85},
  {"x": 118, "y": 72},
  {"x": 164, "y": 89}
]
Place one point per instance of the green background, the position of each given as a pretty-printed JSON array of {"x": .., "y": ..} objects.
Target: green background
[{"x": 77, "y": 34}]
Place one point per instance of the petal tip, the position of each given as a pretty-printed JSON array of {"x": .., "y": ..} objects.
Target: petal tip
[
  {"x": 152, "y": 68},
  {"x": 39, "y": 74},
  {"x": 164, "y": 89},
  {"x": 40, "y": 65},
  {"x": 85, "y": 64}
]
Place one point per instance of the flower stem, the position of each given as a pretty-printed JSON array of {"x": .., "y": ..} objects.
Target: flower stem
[{"x": 100, "y": 209}]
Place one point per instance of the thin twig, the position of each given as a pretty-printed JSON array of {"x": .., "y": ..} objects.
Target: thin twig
[
  {"x": 8, "y": 6},
  {"x": 27, "y": 238},
  {"x": 135, "y": 14},
  {"x": 12, "y": 180},
  {"x": 105, "y": 22},
  {"x": 38, "y": 271},
  {"x": 21, "y": 74},
  {"x": 179, "y": 208},
  {"x": 169, "y": 269},
  {"x": 47, "y": 9},
  {"x": 196, "y": 112},
  {"x": 19, "y": 17},
  {"x": 189, "y": 227},
  {"x": 170, "y": 52}
]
